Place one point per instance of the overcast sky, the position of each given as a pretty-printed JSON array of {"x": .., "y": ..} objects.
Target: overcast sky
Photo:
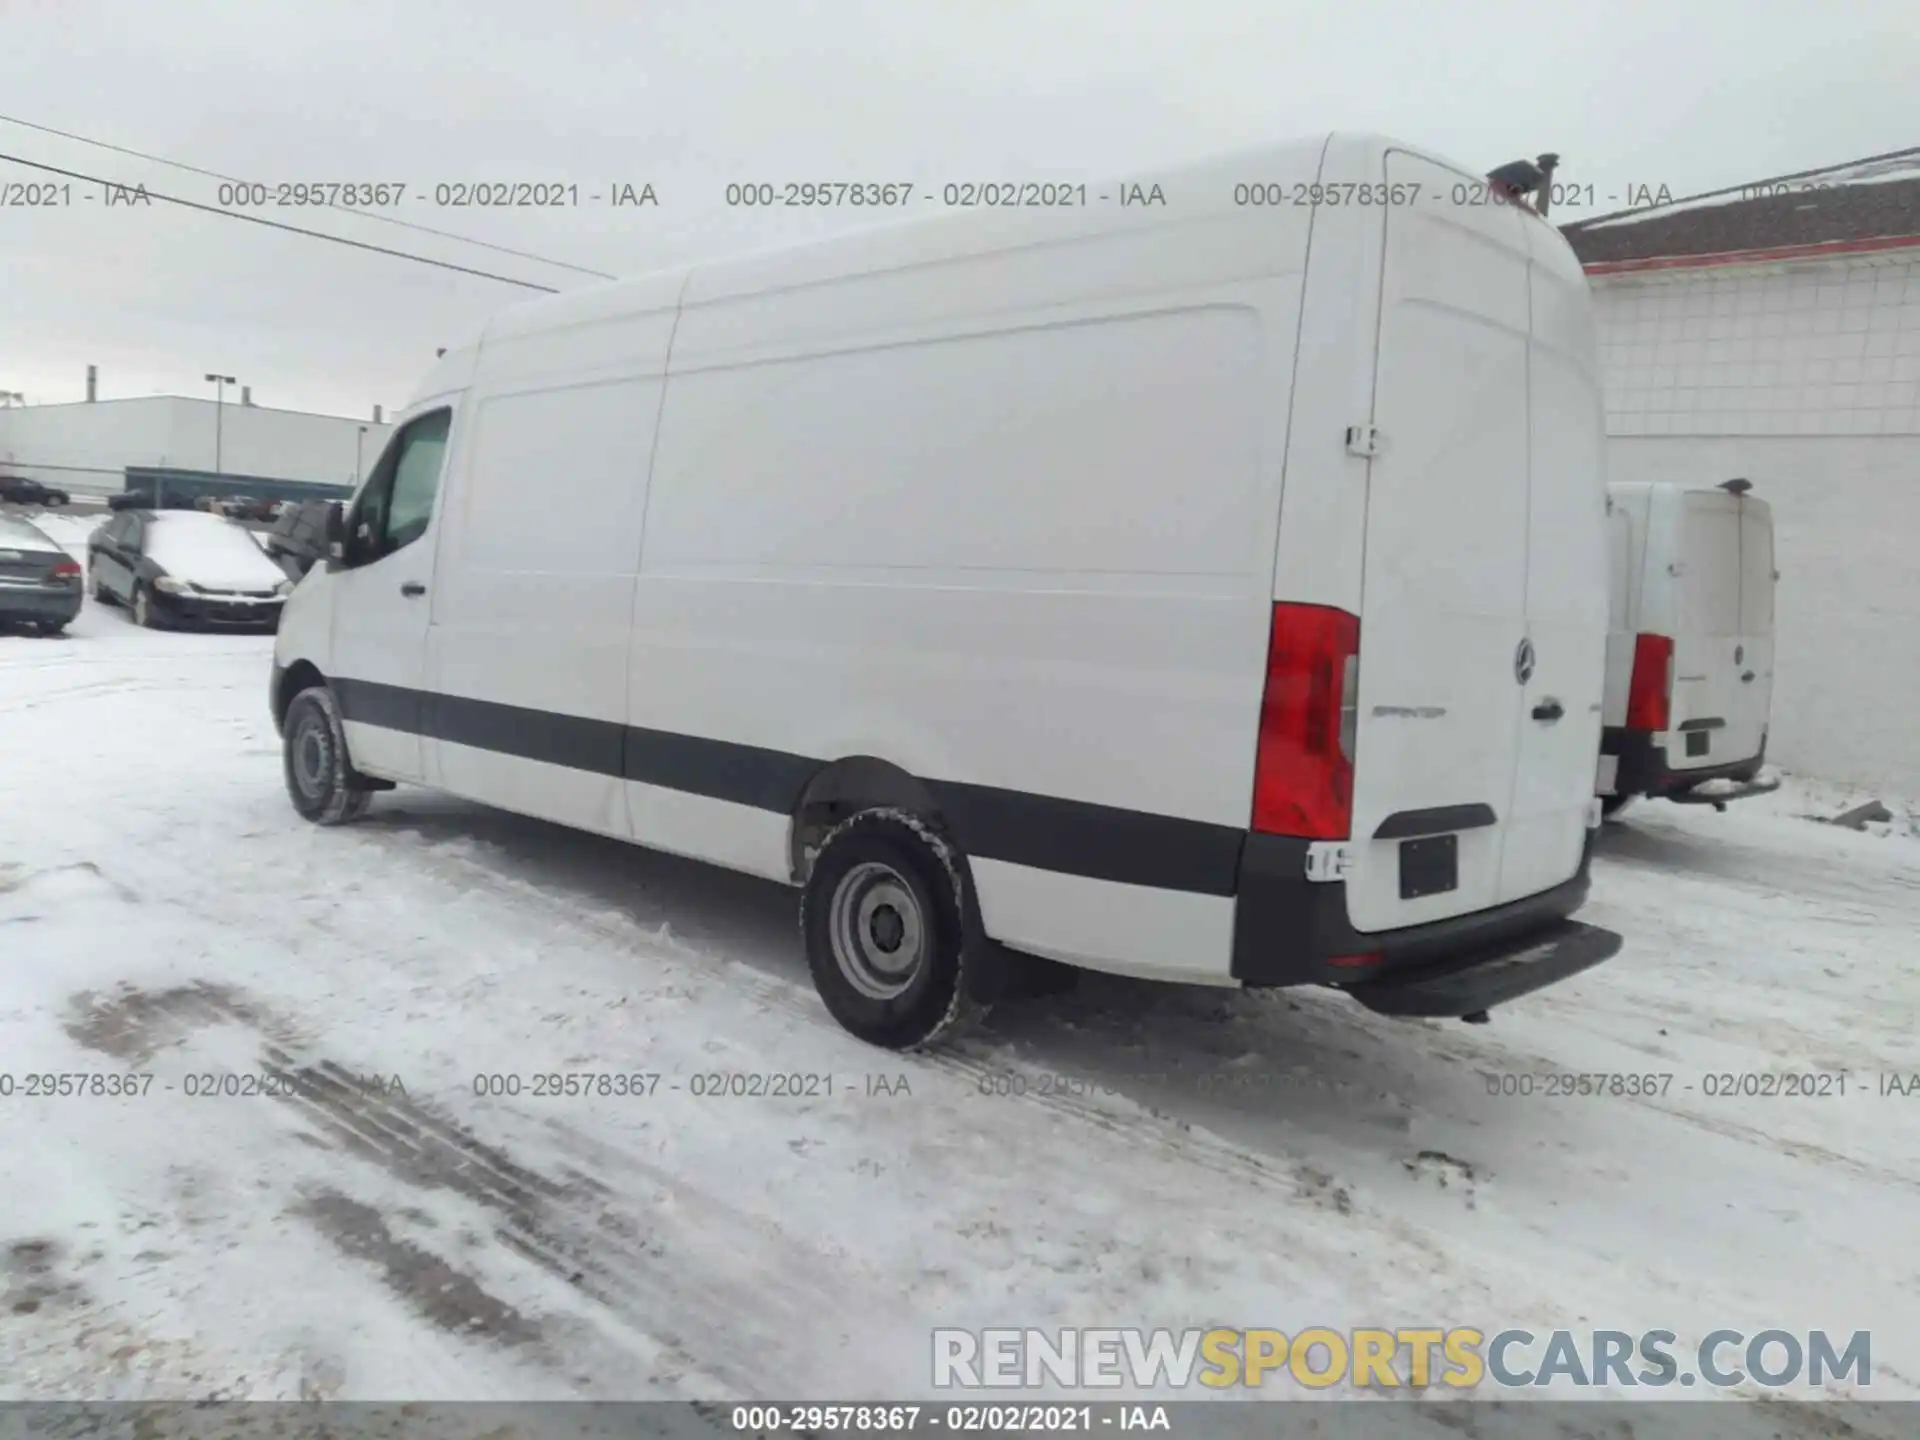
[{"x": 689, "y": 95}]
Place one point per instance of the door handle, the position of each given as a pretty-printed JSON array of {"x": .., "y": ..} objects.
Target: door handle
[
  {"x": 413, "y": 587},
  {"x": 1747, "y": 679},
  {"x": 1549, "y": 711}
]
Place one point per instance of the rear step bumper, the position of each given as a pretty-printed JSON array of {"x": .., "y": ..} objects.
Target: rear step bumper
[
  {"x": 1473, "y": 983},
  {"x": 1643, "y": 769},
  {"x": 1288, "y": 930},
  {"x": 1740, "y": 791}
]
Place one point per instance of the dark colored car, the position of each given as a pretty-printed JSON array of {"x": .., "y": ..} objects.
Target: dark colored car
[
  {"x": 143, "y": 500},
  {"x": 185, "y": 567},
  {"x": 299, "y": 537},
  {"x": 39, "y": 582},
  {"x": 19, "y": 490}
]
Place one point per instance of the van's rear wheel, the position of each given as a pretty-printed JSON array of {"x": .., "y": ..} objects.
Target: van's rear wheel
[
  {"x": 885, "y": 920},
  {"x": 321, "y": 780}
]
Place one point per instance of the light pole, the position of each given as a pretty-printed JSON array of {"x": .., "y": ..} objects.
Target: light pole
[
  {"x": 358, "y": 441},
  {"x": 219, "y": 383}
]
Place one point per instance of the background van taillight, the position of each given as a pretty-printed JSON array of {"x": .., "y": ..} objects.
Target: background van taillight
[
  {"x": 1303, "y": 766},
  {"x": 1650, "y": 694}
]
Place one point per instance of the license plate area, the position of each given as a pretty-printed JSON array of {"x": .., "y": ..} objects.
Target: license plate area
[
  {"x": 1429, "y": 866},
  {"x": 1697, "y": 742}
]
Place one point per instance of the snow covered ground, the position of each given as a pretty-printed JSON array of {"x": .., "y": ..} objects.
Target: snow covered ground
[{"x": 376, "y": 1229}]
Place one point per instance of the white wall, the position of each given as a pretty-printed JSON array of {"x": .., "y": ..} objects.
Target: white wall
[
  {"x": 1804, "y": 379},
  {"x": 276, "y": 444},
  {"x": 1818, "y": 348},
  {"x": 86, "y": 447},
  {"x": 1847, "y": 518}
]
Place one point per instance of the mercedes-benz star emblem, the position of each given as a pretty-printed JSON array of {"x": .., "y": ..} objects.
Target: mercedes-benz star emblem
[{"x": 1523, "y": 662}]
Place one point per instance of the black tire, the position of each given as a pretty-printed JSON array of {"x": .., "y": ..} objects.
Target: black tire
[
  {"x": 321, "y": 780},
  {"x": 1612, "y": 805},
  {"x": 884, "y": 882},
  {"x": 52, "y": 627},
  {"x": 144, "y": 615},
  {"x": 98, "y": 586}
]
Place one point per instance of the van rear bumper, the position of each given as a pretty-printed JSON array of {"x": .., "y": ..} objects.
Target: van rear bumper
[
  {"x": 1288, "y": 930},
  {"x": 1643, "y": 768}
]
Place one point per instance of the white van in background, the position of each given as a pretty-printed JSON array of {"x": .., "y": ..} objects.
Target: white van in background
[
  {"x": 1690, "y": 644},
  {"x": 1210, "y": 590}
]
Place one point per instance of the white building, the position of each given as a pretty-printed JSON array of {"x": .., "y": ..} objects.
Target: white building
[
  {"x": 85, "y": 447},
  {"x": 1772, "y": 332}
]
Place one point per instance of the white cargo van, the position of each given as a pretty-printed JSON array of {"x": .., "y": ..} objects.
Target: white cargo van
[
  {"x": 1690, "y": 644},
  {"x": 1210, "y": 590}
]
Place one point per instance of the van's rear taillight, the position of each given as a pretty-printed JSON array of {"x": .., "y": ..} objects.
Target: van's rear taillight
[
  {"x": 1650, "y": 695},
  {"x": 1303, "y": 766}
]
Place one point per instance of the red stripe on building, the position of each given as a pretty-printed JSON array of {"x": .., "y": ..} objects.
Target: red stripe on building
[{"x": 1753, "y": 257}]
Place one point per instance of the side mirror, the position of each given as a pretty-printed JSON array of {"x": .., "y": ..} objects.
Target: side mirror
[{"x": 336, "y": 535}]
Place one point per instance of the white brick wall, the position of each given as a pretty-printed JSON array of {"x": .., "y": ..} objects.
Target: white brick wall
[
  {"x": 1804, "y": 379},
  {"x": 1828, "y": 347}
]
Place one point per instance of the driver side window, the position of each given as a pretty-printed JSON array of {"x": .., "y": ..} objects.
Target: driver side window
[{"x": 397, "y": 504}]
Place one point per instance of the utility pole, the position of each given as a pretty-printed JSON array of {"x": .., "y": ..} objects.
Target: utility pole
[
  {"x": 358, "y": 441},
  {"x": 219, "y": 383}
]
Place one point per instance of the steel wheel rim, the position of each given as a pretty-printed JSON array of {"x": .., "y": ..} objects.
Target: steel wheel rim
[
  {"x": 310, "y": 760},
  {"x": 877, "y": 931}
]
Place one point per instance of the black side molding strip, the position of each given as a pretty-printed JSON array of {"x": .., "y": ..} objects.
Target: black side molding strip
[
  {"x": 1046, "y": 832},
  {"x": 1441, "y": 820},
  {"x": 1715, "y": 724}
]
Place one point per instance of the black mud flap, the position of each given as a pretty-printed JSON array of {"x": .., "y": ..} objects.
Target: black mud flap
[{"x": 1463, "y": 985}]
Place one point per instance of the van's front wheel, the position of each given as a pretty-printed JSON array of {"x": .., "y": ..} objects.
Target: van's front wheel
[
  {"x": 321, "y": 780},
  {"x": 884, "y": 918}
]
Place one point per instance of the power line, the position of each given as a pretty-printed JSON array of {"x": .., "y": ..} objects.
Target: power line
[
  {"x": 278, "y": 225},
  {"x": 364, "y": 214}
]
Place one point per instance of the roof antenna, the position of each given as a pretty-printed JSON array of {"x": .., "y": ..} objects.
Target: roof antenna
[
  {"x": 1548, "y": 163},
  {"x": 1736, "y": 487}
]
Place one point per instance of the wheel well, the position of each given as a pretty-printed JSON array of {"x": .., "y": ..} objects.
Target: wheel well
[
  {"x": 301, "y": 675},
  {"x": 846, "y": 787}
]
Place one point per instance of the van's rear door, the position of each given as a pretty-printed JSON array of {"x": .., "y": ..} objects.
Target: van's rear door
[
  {"x": 1567, "y": 579},
  {"x": 1706, "y": 727},
  {"x": 1444, "y": 593},
  {"x": 1747, "y": 726}
]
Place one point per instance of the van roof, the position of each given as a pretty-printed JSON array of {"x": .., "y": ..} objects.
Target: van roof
[{"x": 1195, "y": 190}]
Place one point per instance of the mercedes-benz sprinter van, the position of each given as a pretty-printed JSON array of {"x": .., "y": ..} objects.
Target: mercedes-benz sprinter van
[
  {"x": 1203, "y": 581},
  {"x": 1690, "y": 644}
]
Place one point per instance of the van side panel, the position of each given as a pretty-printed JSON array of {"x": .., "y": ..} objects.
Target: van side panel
[
  {"x": 1020, "y": 551},
  {"x": 1627, "y": 547},
  {"x": 528, "y": 646}
]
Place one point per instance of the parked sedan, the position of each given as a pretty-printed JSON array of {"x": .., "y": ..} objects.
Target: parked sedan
[
  {"x": 299, "y": 536},
  {"x": 18, "y": 490},
  {"x": 185, "y": 567},
  {"x": 39, "y": 582}
]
